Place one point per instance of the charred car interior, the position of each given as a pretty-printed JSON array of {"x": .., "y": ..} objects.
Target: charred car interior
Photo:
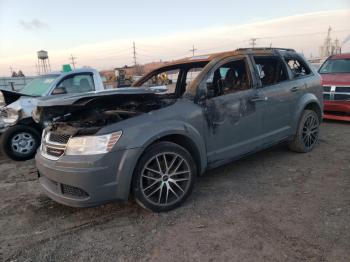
[{"x": 154, "y": 138}]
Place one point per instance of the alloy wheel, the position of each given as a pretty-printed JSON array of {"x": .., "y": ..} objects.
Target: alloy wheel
[
  {"x": 165, "y": 179},
  {"x": 310, "y": 131}
]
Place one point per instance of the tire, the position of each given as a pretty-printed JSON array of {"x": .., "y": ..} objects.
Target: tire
[
  {"x": 155, "y": 185},
  {"x": 20, "y": 142},
  {"x": 307, "y": 134}
]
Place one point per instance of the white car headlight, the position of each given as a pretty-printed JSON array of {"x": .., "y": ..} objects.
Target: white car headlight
[
  {"x": 10, "y": 116},
  {"x": 92, "y": 145}
]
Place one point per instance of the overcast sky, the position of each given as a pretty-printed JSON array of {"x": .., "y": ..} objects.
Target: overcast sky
[{"x": 100, "y": 33}]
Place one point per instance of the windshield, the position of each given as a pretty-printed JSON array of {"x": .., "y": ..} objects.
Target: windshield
[
  {"x": 39, "y": 86},
  {"x": 335, "y": 66}
]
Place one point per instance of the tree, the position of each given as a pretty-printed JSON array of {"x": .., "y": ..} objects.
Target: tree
[{"x": 20, "y": 74}]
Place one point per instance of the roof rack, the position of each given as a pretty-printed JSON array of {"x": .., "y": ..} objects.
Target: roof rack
[{"x": 264, "y": 48}]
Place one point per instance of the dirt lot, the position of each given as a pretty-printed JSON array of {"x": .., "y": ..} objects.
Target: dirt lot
[{"x": 272, "y": 206}]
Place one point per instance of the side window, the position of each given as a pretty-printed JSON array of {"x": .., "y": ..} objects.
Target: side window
[
  {"x": 76, "y": 84},
  {"x": 297, "y": 66},
  {"x": 271, "y": 70},
  {"x": 229, "y": 78},
  {"x": 192, "y": 74},
  {"x": 164, "y": 81}
]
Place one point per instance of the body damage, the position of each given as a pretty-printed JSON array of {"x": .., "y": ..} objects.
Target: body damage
[
  {"x": 213, "y": 127},
  {"x": 87, "y": 115}
]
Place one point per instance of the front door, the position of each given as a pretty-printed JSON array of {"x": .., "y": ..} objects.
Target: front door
[{"x": 233, "y": 111}]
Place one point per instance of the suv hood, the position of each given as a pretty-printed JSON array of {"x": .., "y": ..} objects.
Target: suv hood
[
  {"x": 84, "y": 99},
  {"x": 336, "y": 79},
  {"x": 66, "y": 108}
]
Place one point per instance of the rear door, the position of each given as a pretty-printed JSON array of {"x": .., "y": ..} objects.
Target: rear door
[
  {"x": 300, "y": 73},
  {"x": 279, "y": 94}
]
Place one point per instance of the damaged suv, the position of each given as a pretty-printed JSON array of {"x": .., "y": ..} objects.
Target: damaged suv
[{"x": 178, "y": 121}]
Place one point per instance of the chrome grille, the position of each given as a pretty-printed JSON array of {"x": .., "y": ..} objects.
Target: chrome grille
[
  {"x": 59, "y": 138},
  {"x": 54, "y": 145},
  {"x": 336, "y": 93},
  {"x": 326, "y": 88}
]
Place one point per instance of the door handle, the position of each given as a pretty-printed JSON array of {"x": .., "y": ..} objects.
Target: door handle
[
  {"x": 258, "y": 99},
  {"x": 294, "y": 89}
]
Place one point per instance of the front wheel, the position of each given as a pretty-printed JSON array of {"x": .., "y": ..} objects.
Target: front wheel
[
  {"x": 164, "y": 177},
  {"x": 20, "y": 142},
  {"x": 307, "y": 133}
]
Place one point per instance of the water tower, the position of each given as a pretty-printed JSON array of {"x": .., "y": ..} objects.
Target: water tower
[{"x": 43, "y": 62}]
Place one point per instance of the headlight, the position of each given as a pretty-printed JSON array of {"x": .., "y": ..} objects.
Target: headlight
[
  {"x": 92, "y": 145},
  {"x": 10, "y": 116}
]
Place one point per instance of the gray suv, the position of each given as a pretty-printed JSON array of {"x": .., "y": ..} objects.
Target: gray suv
[{"x": 154, "y": 139}]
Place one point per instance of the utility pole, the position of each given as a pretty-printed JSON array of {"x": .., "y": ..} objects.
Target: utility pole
[
  {"x": 11, "y": 70},
  {"x": 134, "y": 52},
  {"x": 73, "y": 58},
  {"x": 253, "y": 42},
  {"x": 193, "y": 50}
]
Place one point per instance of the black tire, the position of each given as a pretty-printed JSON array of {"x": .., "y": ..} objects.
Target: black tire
[
  {"x": 307, "y": 134},
  {"x": 169, "y": 156},
  {"x": 8, "y": 147}
]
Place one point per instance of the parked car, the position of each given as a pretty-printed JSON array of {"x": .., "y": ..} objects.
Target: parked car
[
  {"x": 217, "y": 108},
  {"x": 20, "y": 135},
  {"x": 335, "y": 73}
]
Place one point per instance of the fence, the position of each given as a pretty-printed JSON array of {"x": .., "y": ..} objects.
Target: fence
[{"x": 14, "y": 83}]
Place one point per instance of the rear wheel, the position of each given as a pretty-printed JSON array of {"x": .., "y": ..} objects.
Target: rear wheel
[
  {"x": 164, "y": 177},
  {"x": 307, "y": 133},
  {"x": 20, "y": 142}
]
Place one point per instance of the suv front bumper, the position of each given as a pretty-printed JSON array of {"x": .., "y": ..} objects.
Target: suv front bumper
[
  {"x": 83, "y": 181},
  {"x": 337, "y": 110}
]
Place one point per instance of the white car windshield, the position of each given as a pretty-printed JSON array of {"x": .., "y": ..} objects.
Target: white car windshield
[{"x": 39, "y": 86}]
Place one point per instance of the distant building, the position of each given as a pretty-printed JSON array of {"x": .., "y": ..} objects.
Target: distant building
[{"x": 329, "y": 46}]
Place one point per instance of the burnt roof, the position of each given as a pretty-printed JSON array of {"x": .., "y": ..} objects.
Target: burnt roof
[{"x": 240, "y": 51}]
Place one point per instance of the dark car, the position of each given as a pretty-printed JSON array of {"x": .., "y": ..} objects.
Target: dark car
[
  {"x": 178, "y": 121},
  {"x": 335, "y": 73}
]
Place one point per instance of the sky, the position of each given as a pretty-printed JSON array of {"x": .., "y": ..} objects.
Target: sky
[{"x": 100, "y": 33}]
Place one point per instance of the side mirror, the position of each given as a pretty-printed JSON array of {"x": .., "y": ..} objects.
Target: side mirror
[{"x": 59, "y": 91}]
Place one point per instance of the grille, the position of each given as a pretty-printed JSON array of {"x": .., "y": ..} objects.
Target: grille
[
  {"x": 327, "y": 88},
  {"x": 342, "y": 89},
  {"x": 326, "y": 97},
  {"x": 73, "y": 191},
  {"x": 54, "y": 151},
  {"x": 59, "y": 138},
  {"x": 337, "y": 113},
  {"x": 341, "y": 97}
]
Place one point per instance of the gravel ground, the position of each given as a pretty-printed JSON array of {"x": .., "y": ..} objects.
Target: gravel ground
[{"x": 272, "y": 206}]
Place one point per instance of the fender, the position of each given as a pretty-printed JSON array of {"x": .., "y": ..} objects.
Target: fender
[
  {"x": 183, "y": 129},
  {"x": 302, "y": 104}
]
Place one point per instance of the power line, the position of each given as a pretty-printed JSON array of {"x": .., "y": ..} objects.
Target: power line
[{"x": 73, "y": 58}]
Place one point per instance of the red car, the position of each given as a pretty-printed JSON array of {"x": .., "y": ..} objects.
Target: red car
[{"x": 335, "y": 73}]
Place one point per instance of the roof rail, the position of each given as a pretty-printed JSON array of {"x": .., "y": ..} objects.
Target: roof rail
[{"x": 264, "y": 48}]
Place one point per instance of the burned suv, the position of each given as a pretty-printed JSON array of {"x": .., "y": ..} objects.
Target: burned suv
[{"x": 154, "y": 139}]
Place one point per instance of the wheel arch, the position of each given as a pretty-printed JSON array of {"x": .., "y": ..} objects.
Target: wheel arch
[
  {"x": 308, "y": 101},
  {"x": 28, "y": 121}
]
